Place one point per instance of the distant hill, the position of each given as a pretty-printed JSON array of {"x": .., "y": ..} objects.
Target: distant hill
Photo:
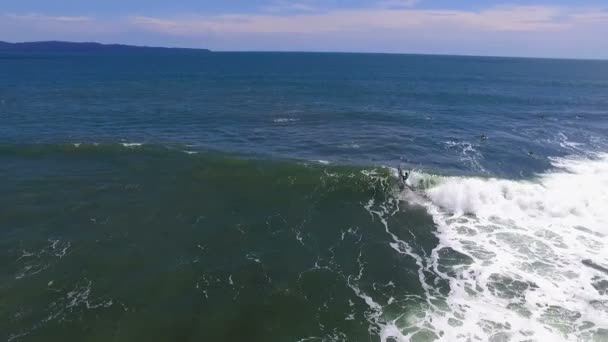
[{"x": 71, "y": 47}]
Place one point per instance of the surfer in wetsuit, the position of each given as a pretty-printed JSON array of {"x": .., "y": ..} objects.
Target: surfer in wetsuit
[{"x": 402, "y": 177}]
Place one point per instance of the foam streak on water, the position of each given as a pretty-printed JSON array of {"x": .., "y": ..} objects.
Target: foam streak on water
[{"x": 526, "y": 248}]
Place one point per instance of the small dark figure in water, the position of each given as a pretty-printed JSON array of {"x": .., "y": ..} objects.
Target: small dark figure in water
[
  {"x": 483, "y": 137},
  {"x": 402, "y": 177}
]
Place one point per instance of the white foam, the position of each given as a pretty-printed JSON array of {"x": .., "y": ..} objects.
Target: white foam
[
  {"x": 526, "y": 240},
  {"x": 567, "y": 144},
  {"x": 576, "y": 195},
  {"x": 131, "y": 144},
  {"x": 36, "y": 262},
  {"x": 284, "y": 120},
  {"x": 468, "y": 154}
]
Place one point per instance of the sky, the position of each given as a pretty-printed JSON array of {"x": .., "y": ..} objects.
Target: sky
[{"x": 535, "y": 28}]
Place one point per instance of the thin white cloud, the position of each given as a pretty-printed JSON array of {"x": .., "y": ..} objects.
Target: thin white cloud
[
  {"x": 35, "y": 26},
  {"x": 41, "y": 17},
  {"x": 289, "y": 6},
  {"x": 397, "y": 3},
  {"x": 592, "y": 16},
  {"x": 514, "y": 18},
  {"x": 309, "y": 6}
]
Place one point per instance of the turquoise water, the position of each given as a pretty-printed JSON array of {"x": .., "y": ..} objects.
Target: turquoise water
[{"x": 252, "y": 196}]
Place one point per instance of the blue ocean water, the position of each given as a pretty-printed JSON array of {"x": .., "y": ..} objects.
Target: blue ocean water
[
  {"x": 346, "y": 108},
  {"x": 253, "y": 196}
]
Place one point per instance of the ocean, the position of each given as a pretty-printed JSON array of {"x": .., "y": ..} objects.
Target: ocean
[{"x": 254, "y": 197}]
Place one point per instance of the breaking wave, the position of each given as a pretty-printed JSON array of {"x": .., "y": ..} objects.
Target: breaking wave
[{"x": 525, "y": 260}]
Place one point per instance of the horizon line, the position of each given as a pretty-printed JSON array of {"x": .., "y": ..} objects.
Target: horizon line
[{"x": 312, "y": 51}]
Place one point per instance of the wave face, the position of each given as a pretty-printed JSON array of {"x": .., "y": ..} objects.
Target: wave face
[
  {"x": 154, "y": 243},
  {"x": 128, "y": 235}
]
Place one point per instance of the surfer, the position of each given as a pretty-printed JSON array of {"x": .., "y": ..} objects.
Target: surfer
[{"x": 403, "y": 176}]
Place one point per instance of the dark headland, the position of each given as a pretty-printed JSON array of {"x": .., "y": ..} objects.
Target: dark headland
[{"x": 73, "y": 47}]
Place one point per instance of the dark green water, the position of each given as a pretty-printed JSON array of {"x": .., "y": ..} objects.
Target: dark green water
[{"x": 112, "y": 243}]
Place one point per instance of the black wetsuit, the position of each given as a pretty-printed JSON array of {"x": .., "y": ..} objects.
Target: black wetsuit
[{"x": 402, "y": 177}]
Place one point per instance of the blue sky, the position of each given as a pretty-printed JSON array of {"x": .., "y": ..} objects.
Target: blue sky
[{"x": 558, "y": 28}]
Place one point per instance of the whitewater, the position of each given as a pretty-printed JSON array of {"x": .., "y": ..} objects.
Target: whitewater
[{"x": 532, "y": 255}]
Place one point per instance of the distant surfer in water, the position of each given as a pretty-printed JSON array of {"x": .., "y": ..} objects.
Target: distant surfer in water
[{"x": 403, "y": 176}]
